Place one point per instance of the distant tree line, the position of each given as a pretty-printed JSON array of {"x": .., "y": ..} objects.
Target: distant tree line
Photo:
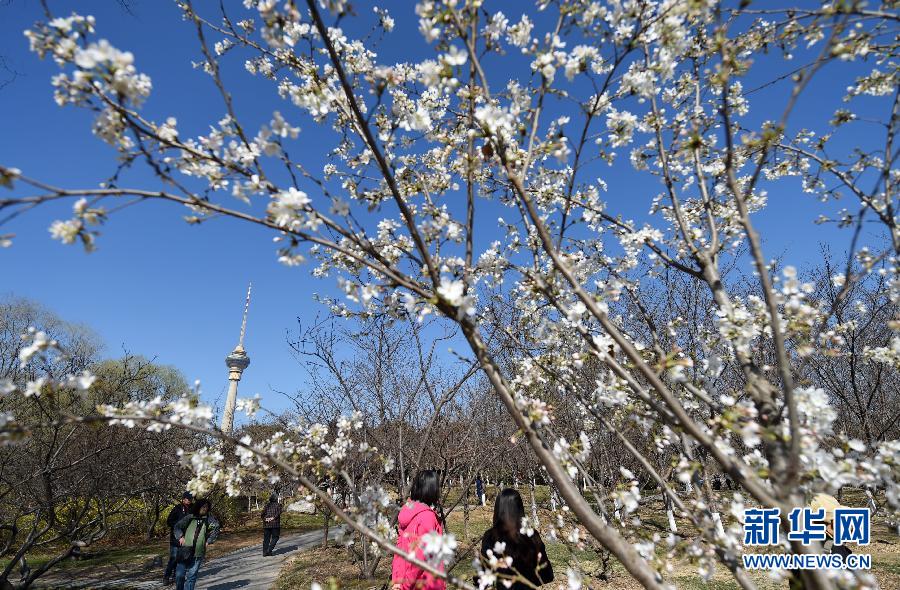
[{"x": 69, "y": 484}]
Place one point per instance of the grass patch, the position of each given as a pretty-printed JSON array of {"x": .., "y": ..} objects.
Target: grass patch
[
  {"x": 330, "y": 565},
  {"x": 335, "y": 563},
  {"x": 138, "y": 558}
]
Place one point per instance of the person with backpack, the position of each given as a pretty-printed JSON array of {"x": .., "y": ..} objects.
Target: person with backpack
[
  {"x": 271, "y": 517},
  {"x": 530, "y": 566},
  {"x": 418, "y": 517},
  {"x": 194, "y": 533},
  {"x": 177, "y": 512}
]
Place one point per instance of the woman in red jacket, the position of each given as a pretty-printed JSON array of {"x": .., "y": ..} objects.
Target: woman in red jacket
[{"x": 418, "y": 517}]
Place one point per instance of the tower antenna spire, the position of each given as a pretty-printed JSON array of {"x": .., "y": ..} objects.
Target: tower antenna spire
[
  {"x": 244, "y": 321},
  {"x": 236, "y": 362}
]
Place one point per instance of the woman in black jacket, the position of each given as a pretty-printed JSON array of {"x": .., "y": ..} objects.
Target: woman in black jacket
[{"x": 529, "y": 556}]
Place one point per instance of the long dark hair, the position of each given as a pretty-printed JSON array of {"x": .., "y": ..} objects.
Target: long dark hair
[
  {"x": 426, "y": 488},
  {"x": 509, "y": 510}
]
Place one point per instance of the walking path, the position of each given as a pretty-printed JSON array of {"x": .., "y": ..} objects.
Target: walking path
[
  {"x": 244, "y": 569},
  {"x": 247, "y": 569}
]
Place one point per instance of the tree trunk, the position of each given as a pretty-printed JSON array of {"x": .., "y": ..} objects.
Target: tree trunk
[
  {"x": 365, "y": 556},
  {"x": 870, "y": 500},
  {"x": 466, "y": 513},
  {"x": 717, "y": 518},
  {"x": 151, "y": 528},
  {"x": 402, "y": 488},
  {"x": 670, "y": 515}
]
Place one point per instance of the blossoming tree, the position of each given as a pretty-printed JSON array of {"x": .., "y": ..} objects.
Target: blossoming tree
[
  {"x": 524, "y": 114},
  {"x": 65, "y": 485}
]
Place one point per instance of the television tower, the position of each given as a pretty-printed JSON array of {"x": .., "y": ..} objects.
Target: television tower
[{"x": 236, "y": 362}]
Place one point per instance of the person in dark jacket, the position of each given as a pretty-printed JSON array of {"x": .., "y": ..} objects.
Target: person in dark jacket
[
  {"x": 177, "y": 512},
  {"x": 530, "y": 566},
  {"x": 271, "y": 517},
  {"x": 196, "y": 531}
]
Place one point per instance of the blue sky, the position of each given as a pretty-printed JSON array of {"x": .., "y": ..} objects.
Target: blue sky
[
  {"x": 155, "y": 285},
  {"x": 161, "y": 288}
]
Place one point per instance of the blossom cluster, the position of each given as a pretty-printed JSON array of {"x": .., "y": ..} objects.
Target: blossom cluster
[{"x": 672, "y": 329}]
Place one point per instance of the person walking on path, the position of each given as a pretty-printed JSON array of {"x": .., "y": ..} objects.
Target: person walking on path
[
  {"x": 194, "y": 533},
  {"x": 418, "y": 517},
  {"x": 177, "y": 512},
  {"x": 271, "y": 517},
  {"x": 530, "y": 566}
]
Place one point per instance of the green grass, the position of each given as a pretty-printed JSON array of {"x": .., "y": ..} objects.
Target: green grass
[
  {"x": 885, "y": 551},
  {"x": 104, "y": 557},
  {"x": 138, "y": 552},
  {"x": 332, "y": 564},
  {"x": 697, "y": 583}
]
